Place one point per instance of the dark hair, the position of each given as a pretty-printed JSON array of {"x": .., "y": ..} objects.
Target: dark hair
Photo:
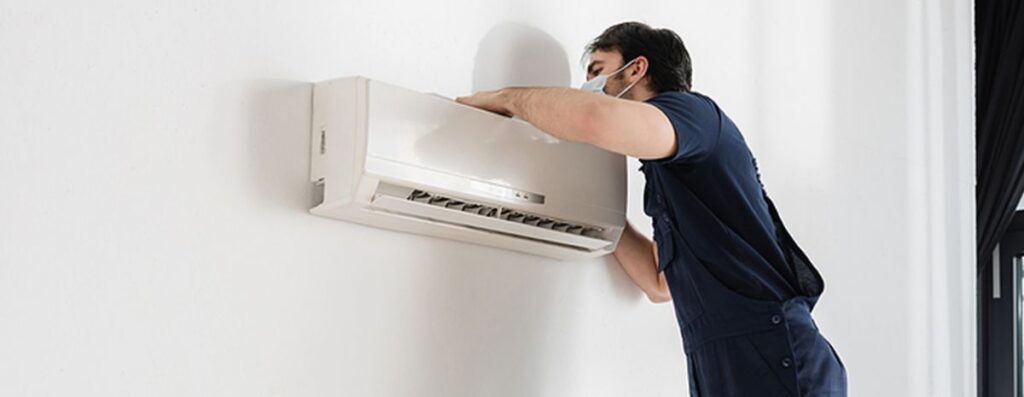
[{"x": 670, "y": 68}]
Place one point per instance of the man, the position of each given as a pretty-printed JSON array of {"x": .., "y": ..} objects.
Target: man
[{"x": 743, "y": 290}]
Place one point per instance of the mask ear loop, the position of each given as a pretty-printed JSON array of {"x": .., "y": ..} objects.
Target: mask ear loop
[
  {"x": 630, "y": 84},
  {"x": 627, "y": 88}
]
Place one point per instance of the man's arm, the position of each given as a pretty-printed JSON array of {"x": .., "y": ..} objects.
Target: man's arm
[
  {"x": 627, "y": 127},
  {"x": 638, "y": 257}
]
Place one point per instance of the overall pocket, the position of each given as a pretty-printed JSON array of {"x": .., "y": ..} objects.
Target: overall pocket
[{"x": 685, "y": 295}]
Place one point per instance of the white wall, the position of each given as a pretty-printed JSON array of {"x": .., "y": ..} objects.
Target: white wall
[{"x": 154, "y": 239}]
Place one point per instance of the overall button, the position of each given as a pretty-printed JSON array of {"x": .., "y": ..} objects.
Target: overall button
[
  {"x": 786, "y": 362},
  {"x": 776, "y": 319}
]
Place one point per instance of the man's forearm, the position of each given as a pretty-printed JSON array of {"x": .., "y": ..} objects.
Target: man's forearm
[
  {"x": 565, "y": 113},
  {"x": 635, "y": 254},
  {"x": 627, "y": 127}
]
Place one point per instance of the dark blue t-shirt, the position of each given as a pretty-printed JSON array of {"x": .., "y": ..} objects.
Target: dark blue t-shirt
[{"x": 709, "y": 194}]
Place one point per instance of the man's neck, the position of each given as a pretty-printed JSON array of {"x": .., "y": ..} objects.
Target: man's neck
[{"x": 641, "y": 94}]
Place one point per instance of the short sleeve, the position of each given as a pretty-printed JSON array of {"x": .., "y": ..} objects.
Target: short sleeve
[{"x": 697, "y": 124}]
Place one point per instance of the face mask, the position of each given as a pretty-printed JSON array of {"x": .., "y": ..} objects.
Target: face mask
[{"x": 596, "y": 84}]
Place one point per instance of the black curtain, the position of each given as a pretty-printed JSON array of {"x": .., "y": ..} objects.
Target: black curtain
[{"x": 999, "y": 38}]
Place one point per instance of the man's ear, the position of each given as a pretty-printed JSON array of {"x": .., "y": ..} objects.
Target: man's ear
[{"x": 641, "y": 66}]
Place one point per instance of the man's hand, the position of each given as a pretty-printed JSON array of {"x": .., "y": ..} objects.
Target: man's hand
[{"x": 493, "y": 101}]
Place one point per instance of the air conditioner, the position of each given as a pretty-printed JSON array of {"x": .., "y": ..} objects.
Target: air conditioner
[{"x": 398, "y": 159}]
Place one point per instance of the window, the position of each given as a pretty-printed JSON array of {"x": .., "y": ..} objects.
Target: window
[{"x": 1001, "y": 317}]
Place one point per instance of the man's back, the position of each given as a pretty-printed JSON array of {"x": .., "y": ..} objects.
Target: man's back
[{"x": 713, "y": 196}]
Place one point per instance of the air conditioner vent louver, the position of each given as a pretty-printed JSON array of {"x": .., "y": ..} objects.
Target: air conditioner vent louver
[{"x": 507, "y": 214}]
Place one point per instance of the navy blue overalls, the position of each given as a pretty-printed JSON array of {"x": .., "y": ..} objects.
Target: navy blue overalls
[{"x": 737, "y": 345}]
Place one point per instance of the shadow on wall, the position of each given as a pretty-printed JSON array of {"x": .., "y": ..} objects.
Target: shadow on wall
[
  {"x": 517, "y": 55},
  {"x": 278, "y": 144}
]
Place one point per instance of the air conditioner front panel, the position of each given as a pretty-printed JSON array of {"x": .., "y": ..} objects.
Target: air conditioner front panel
[{"x": 436, "y": 133}]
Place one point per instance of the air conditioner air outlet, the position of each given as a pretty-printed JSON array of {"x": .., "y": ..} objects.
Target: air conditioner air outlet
[
  {"x": 507, "y": 214},
  {"x": 483, "y": 215}
]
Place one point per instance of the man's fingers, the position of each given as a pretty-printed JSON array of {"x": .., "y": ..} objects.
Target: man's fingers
[{"x": 481, "y": 101}]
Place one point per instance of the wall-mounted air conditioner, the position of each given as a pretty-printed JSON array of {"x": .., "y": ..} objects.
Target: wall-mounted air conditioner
[{"x": 394, "y": 158}]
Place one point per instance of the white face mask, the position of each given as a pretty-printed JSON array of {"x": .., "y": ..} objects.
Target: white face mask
[{"x": 597, "y": 83}]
